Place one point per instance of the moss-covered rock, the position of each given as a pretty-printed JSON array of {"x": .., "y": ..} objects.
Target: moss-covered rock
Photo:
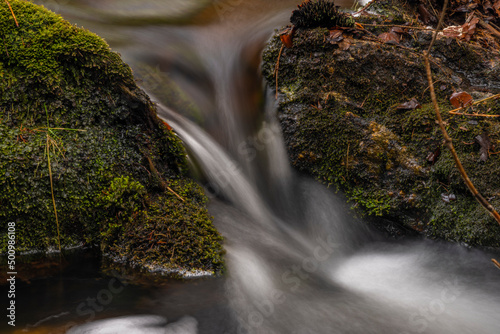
[
  {"x": 338, "y": 111},
  {"x": 73, "y": 120}
]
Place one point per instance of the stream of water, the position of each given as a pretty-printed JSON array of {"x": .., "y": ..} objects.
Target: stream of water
[{"x": 297, "y": 262}]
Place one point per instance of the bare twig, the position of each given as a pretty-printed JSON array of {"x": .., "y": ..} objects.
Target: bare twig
[
  {"x": 495, "y": 32},
  {"x": 176, "y": 194},
  {"x": 276, "y": 68},
  {"x": 163, "y": 184},
  {"x": 434, "y": 10},
  {"x": 471, "y": 115},
  {"x": 396, "y": 25},
  {"x": 447, "y": 138},
  {"x": 13, "y": 15}
]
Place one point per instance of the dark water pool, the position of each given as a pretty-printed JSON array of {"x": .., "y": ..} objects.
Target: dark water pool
[{"x": 53, "y": 295}]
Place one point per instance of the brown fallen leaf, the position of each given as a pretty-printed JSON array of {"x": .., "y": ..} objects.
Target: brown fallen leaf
[
  {"x": 469, "y": 28},
  {"x": 286, "y": 37},
  {"x": 167, "y": 125},
  {"x": 410, "y": 105},
  {"x": 485, "y": 144},
  {"x": 344, "y": 45},
  {"x": 460, "y": 99},
  {"x": 335, "y": 36},
  {"x": 452, "y": 31},
  {"x": 432, "y": 157},
  {"x": 390, "y": 37},
  {"x": 398, "y": 30}
]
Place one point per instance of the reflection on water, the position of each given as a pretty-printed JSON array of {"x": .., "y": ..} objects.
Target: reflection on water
[{"x": 296, "y": 262}]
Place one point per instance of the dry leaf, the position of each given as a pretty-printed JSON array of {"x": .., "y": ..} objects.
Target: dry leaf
[
  {"x": 484, "y": 142},
  {"x": 460, "y": 99},
  {"x": 398, "y": 30},
  {"x": 344, "y": 45},
  {"x": 286, "y": 37},
  {"x": 335, "y": 36},
  {"x": 469, "y": 28},
  {"x": 167, "y": 125},
  {"x": 287, "y": 40},
  {"x": 452, "y": 31},
  {"x": 432, "y": 157},
  {"x": 410, "y": 105},
  {"x": 390, "y": 37}
]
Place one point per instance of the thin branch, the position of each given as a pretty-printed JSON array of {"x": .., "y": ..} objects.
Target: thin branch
[
  {"x": 440, "y": 23},
  {"x": 471, "y": 115},
  {"x": 495, "y": 32},
  {"x": 396, "y": 25},
  {"x": 496, "y": 263},
  {"x": 163, "y": 184},
  {"x": 276, "y": 68},
  {"x": 447, "y": 138},
  {"x": 13, "y": 15},
  {"x": 176, "y": 194}
]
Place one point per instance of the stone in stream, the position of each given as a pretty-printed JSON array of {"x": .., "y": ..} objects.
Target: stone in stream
[
  {"x": 79, "y": 139},
  {"x": 338, "y": 109}
]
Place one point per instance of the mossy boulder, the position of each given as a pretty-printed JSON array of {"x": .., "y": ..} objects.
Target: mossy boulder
[
  {"x": 75, "y": 130},
  {"x": 341, "y": 115}
]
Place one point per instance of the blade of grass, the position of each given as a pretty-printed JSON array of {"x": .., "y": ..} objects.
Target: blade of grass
[{"x": 52, "y": 192}]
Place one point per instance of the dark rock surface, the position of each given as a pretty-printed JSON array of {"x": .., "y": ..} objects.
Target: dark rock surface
[{"x": 343, "y": 114}]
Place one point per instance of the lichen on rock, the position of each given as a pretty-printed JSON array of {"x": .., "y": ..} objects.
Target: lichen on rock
[
  {"x": 338, "y": 108},
  {"x": 119, "y": 175}
]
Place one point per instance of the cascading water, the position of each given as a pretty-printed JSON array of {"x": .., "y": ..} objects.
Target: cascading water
[{"x": 297, "y": 263}]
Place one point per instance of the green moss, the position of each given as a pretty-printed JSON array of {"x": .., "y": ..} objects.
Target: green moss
[
  {"x": 375, "y": 204},
  {"x": 181, "y": 230},
  {"x": 110, "y": 156},
  {"x": 463, "y": 221}
]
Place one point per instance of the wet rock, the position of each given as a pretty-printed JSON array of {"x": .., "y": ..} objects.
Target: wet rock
[
  {"x": 391, "y": 162},
  {"x": 78, "y": 134}
]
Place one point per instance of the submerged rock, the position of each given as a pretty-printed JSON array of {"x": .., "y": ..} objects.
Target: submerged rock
[
  {"x": 79, "y": 139},
  {"x": 356, "y": 114}
]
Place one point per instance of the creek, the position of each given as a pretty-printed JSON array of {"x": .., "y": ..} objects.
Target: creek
[{"x": 297, "y": 261}]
